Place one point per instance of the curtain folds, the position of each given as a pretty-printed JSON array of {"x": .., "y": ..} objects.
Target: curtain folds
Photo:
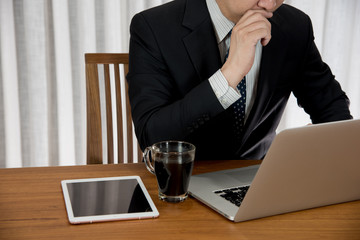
[{"x": 42, "y": 71}]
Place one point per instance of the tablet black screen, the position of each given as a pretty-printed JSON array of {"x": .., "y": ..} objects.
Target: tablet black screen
[{"x": 107, "y": 197}]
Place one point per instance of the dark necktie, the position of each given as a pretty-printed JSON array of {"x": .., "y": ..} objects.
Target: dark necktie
[
  {"x": 239, "y": 105},
  {"x": 239, "y": 108}
]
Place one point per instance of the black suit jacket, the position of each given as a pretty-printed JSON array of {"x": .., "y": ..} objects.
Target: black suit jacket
[{"x": 173, "y": 52}]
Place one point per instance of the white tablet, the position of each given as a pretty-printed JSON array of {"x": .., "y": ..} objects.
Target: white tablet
[{"x": 107, "y": 199}]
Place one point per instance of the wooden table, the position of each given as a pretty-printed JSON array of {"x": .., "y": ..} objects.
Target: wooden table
[{"x": 32, "y": 207}]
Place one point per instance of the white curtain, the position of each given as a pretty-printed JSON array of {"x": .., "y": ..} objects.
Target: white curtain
[{"x": 42, "y": 76}]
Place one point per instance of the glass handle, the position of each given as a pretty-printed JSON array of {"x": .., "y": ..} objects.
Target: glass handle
[{"x": 147, "y": 160}]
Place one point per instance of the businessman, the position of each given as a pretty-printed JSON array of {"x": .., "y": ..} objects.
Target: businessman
[{"x": 218, "y": 74}]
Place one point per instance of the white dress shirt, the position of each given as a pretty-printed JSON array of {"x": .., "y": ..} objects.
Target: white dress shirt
[{"x": 226, "y": 94}]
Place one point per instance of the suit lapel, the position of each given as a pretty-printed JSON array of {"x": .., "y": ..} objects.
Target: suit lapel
[{"x": 201, "y": 42}]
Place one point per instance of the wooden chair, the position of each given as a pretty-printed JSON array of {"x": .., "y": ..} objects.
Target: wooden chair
[{"x": 93, "y": 62}]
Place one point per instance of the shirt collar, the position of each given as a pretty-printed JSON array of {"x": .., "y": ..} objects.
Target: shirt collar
[{"x": 221, "y": 24}]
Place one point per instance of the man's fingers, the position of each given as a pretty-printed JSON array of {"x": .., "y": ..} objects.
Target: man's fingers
[
  {"x": 252, "y": 33},
  {"x": 254, "y": 26},
  {"x": 265, "y": 40},
  {"x": 251, "y": 14}
]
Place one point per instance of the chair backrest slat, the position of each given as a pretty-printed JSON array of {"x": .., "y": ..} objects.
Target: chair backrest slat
[
  {"x": 109, "y": 121},
  {"x": 128, "y": 118},
  {"x": 94, "y": 128},
  {"x": 120, "y": 131}
]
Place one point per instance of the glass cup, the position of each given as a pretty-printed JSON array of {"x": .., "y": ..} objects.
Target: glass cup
[{"x": 173, "y": 163}]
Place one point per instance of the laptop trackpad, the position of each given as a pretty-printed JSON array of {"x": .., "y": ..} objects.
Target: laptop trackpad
[
  {"x": 242, "y": 175},
  {"x": 223, "y": 179}
]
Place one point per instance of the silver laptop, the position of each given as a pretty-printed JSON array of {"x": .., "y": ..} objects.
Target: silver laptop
[{"x": 305, "y": 167}]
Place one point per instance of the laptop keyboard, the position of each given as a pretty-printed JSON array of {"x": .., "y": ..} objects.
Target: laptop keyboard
[{"x": 234, "y": 195}]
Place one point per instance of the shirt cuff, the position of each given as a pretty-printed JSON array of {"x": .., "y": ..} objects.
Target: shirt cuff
[{"x": 226, "y": 94}]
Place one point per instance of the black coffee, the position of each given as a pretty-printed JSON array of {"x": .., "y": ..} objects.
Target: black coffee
[{"x": 173, "y": 178}]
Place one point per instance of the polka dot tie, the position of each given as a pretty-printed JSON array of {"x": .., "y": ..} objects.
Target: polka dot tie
[{"x": 239, "y": 109}]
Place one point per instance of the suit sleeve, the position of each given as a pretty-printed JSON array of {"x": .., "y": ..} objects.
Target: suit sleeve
[
  {"x": 317, "y": 90},
  {"x": 161, "y": 108}
]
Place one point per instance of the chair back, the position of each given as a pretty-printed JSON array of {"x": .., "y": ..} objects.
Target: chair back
[{"x": 109, "y": 70}]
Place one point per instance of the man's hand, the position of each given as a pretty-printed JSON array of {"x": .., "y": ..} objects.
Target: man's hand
[{"x": 251, "y": 28}]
